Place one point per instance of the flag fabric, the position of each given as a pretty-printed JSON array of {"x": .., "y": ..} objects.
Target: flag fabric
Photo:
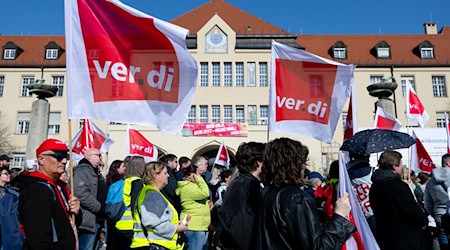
[
  {"x": 414, "y": 107},
  {"x": 307, "y": 92},
  {"x": 126, "y": 66},
  {"x": 89, "y": 136},
  {"x": 222, "y": 157},
  {"x": 137, "y": 145},
  {"x": 420, "y": 159},
  {"x": 447, "y": 129},
  {"x": 351, "y": 125},
  {"x": 363, "y": 237},
  {"x": 385, "y": 120}
]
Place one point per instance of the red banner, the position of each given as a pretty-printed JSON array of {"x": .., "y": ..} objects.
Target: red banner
[{"x": 214, "y": 129}]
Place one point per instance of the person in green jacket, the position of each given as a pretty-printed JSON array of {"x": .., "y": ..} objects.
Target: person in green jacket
[{"x": 194, "y": 195}]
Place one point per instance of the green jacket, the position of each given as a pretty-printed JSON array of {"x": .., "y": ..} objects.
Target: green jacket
[{"x": 195, "y": 202}]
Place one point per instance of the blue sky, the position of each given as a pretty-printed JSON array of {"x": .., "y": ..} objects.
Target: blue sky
[{"x": 33, "y": 17}]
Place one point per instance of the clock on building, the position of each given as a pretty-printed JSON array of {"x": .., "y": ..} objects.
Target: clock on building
[{"x": 216, "y": 41}]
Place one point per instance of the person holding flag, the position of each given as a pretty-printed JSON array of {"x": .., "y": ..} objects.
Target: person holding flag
[{"x": 288, "y": 216}]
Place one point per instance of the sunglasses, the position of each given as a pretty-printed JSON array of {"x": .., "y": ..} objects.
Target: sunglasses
[{"x": 59, "y": 156}]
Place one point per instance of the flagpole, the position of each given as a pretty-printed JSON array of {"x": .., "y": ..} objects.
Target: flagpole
[{"x": 71, "y": 164}]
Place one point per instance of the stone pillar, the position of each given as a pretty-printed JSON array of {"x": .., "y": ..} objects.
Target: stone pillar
[
  {"x": 383, "y": 91},
  {"x": 38, "y": 132}
]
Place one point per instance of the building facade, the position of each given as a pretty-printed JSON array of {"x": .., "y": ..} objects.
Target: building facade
[{"x": 232, "y": 50}]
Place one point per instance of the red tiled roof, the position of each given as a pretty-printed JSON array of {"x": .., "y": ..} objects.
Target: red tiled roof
[
  {"x": 236, "y": 18},
  {"x": 33, "y": 51},
  {"x": 359, "y": 48}
]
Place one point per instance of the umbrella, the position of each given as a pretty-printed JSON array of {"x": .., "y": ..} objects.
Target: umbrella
[{"x": 377, "y": 140}]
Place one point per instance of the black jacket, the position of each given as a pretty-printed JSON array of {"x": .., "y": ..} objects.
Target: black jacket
[
  {"x": 289, "y": 220},
  {"x": 169, "y": 190},
  {"x": 398, "y": 216},
  {"x": 238, "y": 212},
  {"x": 38, "y": 205}
]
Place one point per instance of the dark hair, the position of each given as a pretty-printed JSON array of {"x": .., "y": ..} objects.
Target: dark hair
[
  {"x": 4, "y": 168},
  {"x": 388, "y": 159},
  {"x": 167, "y": 158},
  {"x": 113, "y": 175},
  {"x": 356, "y": 156},
  {"x": 445, "y": 159},
  {"x": 191, "y": 169},
  {"x": 248, "y": 155},
  {"x": 284, "y": 162},
  {"x": 225, "y": 174},
  {"x": 333, "y": 173},
  {"x": 183, "y": 160}
]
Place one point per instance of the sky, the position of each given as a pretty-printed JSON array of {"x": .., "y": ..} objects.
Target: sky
[{"x": 34, "y": 17}]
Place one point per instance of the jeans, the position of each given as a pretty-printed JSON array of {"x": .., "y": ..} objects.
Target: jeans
[
  {"x": 197, "y": 240},
  {"x": 442, "y": 237},
  {"x": 87, "y": 240}
]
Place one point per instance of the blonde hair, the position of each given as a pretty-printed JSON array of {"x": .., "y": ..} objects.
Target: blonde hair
[{"x": 151, "y": 170}]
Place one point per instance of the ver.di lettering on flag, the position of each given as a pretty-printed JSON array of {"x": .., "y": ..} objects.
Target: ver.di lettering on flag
[
  {"x": 222, "y": 157},
  {"x": 414, "y": 107},
  {"x": 126, "y": 66},
  {"x": 307, "y": 92},
  {"x": 137, "y": 145},
  {"x": 420, "y": 159}
]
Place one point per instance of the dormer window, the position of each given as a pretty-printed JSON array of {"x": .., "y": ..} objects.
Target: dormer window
[
  {"x": 9, "y": 54},
  {"x": 383, "y": 50},
  {"x": 338, "y": 50},
  {"x": 426, "y": 50},
  {"x": 51, "y": 54},
  {"x": 53, "y": 51}
]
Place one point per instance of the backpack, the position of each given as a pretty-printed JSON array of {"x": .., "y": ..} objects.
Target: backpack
[{"x": 115, "y": 207}]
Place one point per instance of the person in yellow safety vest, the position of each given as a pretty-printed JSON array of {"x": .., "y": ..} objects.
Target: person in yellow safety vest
[
  {"x": 132, "y": 186},
  {"x": 156, "y": 224}
]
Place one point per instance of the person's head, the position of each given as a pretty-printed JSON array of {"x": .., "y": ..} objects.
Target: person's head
[
  {"x": 423, "y": 178},
  {"x": 333, "y": 173},
  {"x": 171, "y": 161},
  {"x": 184, "y": 161},
  {"x": 200, "y": 163},
  {"x": 126, "y": 160},
  {"x": 52, "y": 156},
  {"x": 155, "y": 174},
  {"x": 4, "y": 161},
  {"x": 356, "y": 156},
  {"x": 64, "y": 177},
  {"x": 94, "y": 156},
  {"x": 446, "y": 161},
  {"x": 225, "y": 176},
  {"x": 15, "y": 171},
  {"x": 314, "y": 183},
  {"x": 5, "y": 177},
  {"x": 135, "y": 167},
  {"x": 116, "y": 172},
  {"x": 189, "y": 172},
  {"x": 284, "y": 161},
  {"x": 249, "y": 157},
  {"x": 391, "y": 160}
]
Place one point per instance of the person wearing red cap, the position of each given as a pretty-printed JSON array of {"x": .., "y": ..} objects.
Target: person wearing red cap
[{"x": 45, "y": 203}]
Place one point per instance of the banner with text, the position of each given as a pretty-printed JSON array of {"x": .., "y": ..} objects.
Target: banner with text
[{"x": 214, "y": 129}]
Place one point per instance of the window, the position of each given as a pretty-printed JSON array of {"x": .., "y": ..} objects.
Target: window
[
  {"x": 344, "y": 120},
  {"x": 227, "y": 113},
  {"x": 58, "y": 81},
  {"x": 339, "y": 53},
  {"x": 203, "y": 113},
  {"x": 18, "y": 160},
  {"x": 438, "y": 83},
  {"x": 376, "y": 79},
  {"x": 215, "y": 74},
  {"x": 239, "y": 74},
  {"x": 192, "y": 115},
  {"x": 9, "y": 54},
  {"x": 251, "y": 111},
  {"x": 251, "y": 74},
  {"x": 227, "y": 74},
  {"x": 383, "y": 53},
  {"x": 263, "y": 114},
  {"x": 51, "y": 54},
  {"x": 440, "y": 119},
  {"x": 316, "y": 86},
  {"x": 2, "y": 84},
  {"x": 204, "y": 74},
  {"x": 215, "y": 112},
  {"x": 263, "y": 74},
  {"x": 240, "y": 116},
  {"x": 404, "y": 79},
  {"x": 54, "y": 121},
  {"x": 426, "y": 53},
  {"x": 23, "y": 123},
  {"x": 26, "y": 80}
]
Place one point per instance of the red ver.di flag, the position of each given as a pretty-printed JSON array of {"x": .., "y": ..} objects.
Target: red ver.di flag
[
  {"x": 414, "y": 107},
  {"x": 420, "y": 159},
  {"x": 89, "y": 136},
  {"x": 138, "y": 145},
  {"x": 126, "y": 66},
  {"x": 222, "y": 157},
  {"x": 307, "y": 92}
]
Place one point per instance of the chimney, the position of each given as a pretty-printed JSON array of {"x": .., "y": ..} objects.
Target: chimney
[{"x": 430, "y": 28}]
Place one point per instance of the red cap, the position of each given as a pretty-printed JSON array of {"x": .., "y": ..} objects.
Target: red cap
[{"x": 51, "y": 144}]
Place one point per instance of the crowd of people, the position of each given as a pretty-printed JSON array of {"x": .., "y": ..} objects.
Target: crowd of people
[{"x": 270, "y": 200}]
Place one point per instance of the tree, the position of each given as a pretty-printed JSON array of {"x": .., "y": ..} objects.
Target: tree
[{"x": 6, "y": 145}]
